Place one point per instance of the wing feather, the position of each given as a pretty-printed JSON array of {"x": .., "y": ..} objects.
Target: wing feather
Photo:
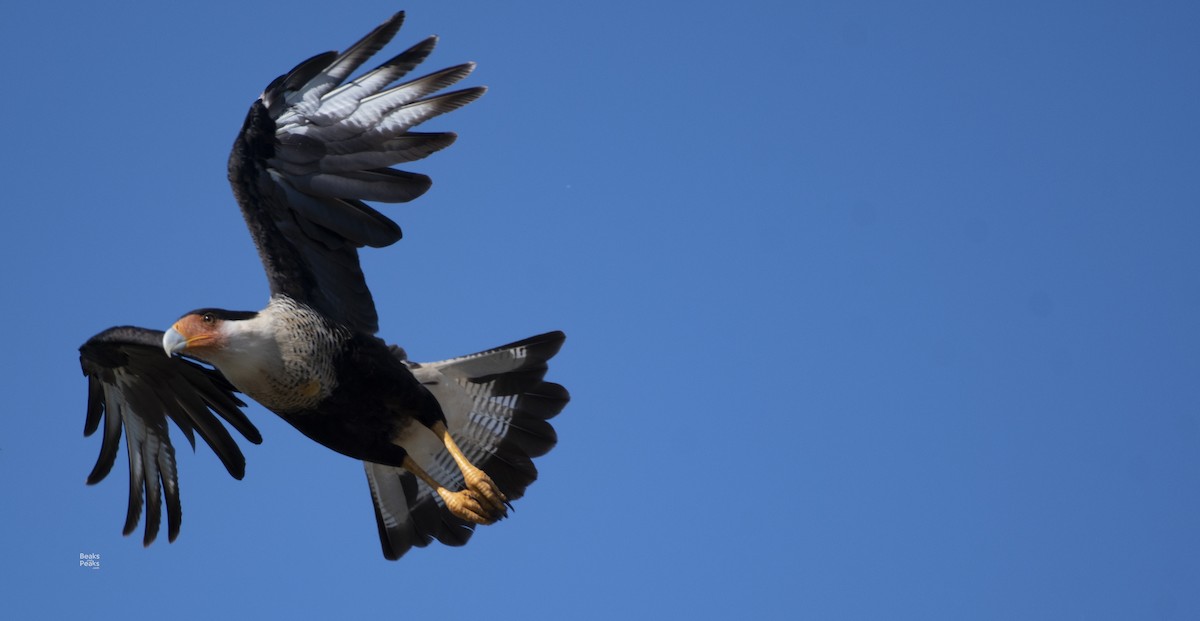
[
  {"x": 314, "y": 146},
  {"x": 344, "y": 100},
  {"x": 133, "y": 389}
]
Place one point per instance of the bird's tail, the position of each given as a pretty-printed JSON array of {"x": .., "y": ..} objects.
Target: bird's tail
[{"x": 497, "y": 408}]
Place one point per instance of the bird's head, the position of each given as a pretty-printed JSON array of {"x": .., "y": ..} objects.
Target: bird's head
[{"x": 203, "y": 333}]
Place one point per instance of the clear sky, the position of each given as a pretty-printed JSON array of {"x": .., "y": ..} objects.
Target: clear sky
[{"x": 875, "y": 310}]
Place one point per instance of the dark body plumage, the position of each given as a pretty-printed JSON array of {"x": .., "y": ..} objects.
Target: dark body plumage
[
  {"x": 377, "y": 397},
  {"x": 312, "y": 149}
]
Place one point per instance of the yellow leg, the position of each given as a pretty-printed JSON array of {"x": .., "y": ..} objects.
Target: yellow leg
[
  {"x": 465, "y": 505},
  {"x": 477, "y": 480}
]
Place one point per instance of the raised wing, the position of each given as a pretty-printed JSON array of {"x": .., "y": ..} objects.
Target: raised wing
[
  {"x": 313, "y": 149},
  {"x": 133, "y": 386}
]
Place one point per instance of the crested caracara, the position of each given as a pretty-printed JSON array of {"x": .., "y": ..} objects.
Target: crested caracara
[{"x": 445, "y": 445}]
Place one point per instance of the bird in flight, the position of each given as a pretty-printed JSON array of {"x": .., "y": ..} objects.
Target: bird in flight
[{"x": 446, "y": 445}]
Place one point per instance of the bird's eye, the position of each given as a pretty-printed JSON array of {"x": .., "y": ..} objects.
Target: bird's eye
[{"x": 207, "y": 318}]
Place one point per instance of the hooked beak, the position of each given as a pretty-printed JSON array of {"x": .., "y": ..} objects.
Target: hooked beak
[{"x": 173, "y": 342}]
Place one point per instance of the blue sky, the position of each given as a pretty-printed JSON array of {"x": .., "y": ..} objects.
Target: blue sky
[{"x": 873, "y": 311}]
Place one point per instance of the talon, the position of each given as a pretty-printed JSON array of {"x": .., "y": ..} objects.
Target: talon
[
  {"x": 466, "y": 505},
  {"x": 477, "y": 481},
  {"x": 484, "y": 488}
]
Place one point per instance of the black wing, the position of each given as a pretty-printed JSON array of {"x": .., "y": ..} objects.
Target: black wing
[
  {"x": 133, "y": 385},
  {"x": 313, "y": 149}
]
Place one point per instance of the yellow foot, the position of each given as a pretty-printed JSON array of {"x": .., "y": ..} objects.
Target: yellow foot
[
  {"x": 483, "y": 488},
  {"x": 486, "y": 489},
  {"x": 469, "y": 506}
]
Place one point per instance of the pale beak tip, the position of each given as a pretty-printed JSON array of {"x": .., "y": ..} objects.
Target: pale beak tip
[{"x": 173, "y": 342}]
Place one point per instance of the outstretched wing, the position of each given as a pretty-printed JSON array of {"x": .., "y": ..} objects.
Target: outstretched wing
[
  {"x": 313, "y": 149},
  {"x": 133, "y": 386}
]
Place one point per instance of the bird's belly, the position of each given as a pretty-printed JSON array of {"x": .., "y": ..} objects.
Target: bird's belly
[{"x": 283, "y": 395}]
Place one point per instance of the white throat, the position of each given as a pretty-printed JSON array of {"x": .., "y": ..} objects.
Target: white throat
[
  {"x": 283, "y": 357},
  {"x": 251, "y": 354}
]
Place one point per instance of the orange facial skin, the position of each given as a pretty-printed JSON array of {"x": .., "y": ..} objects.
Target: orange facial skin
[{"x": 199, "y": 331}]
